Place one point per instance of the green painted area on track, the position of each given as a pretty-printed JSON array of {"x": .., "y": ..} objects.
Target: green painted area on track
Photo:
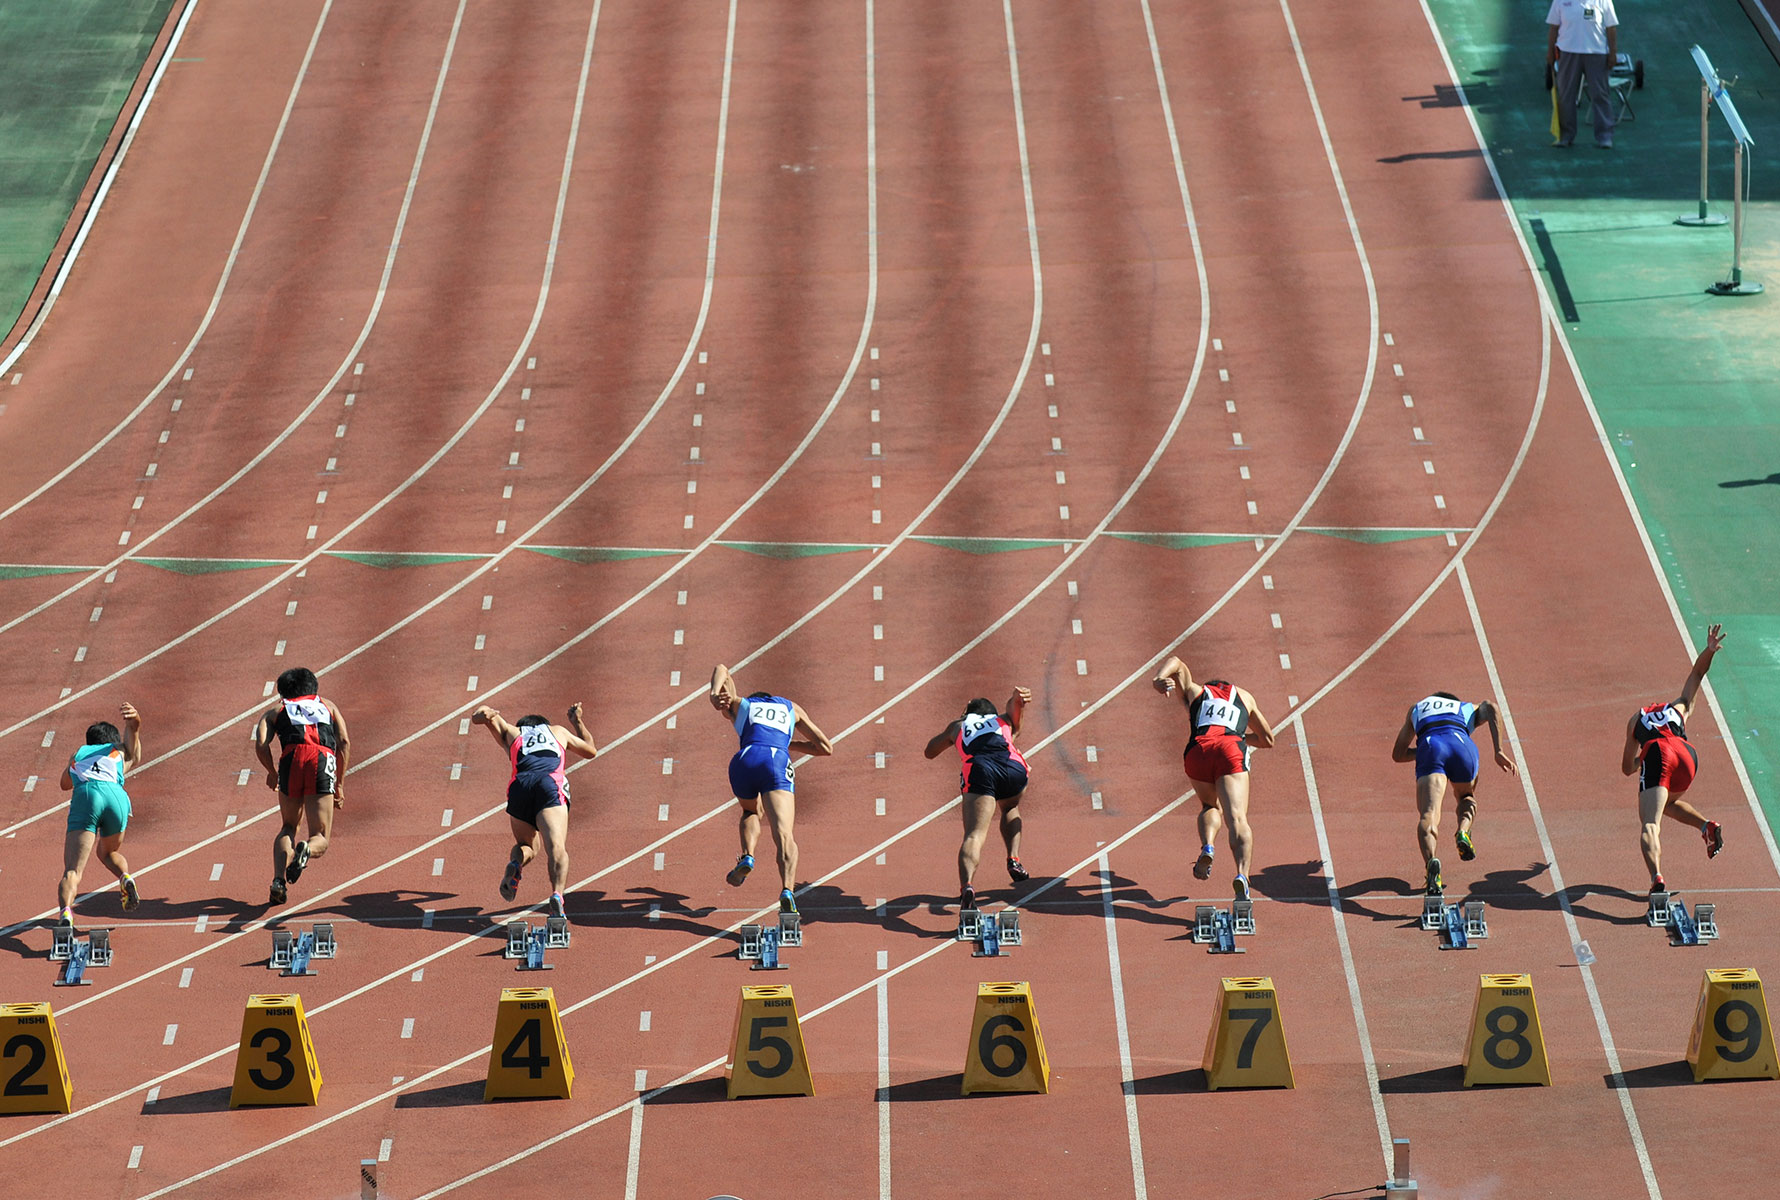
[
  {"x": 599, "y": 554},
  {"x": 31, "y": 571},
  {"x": 798, "y": 549},
  {"x": 211, "y": 566},
  {"x": 1183, "y": 541},
  {"x": 1686, "y": 383},
  {"x": 390, "y": 560},
  {"x": 989, "y": 545},
  {"x": 66, "y": 68}
]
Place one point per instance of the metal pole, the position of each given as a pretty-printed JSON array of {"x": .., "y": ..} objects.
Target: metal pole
[
  {"x": 1704, "y": 217},
  {"x": 1736, "y": 285}
]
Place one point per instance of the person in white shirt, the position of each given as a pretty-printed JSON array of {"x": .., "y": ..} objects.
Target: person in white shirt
[{"x": 1582, "y": 42}]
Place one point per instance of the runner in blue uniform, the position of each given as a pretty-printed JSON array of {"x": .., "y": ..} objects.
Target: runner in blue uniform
[
  {"x": 99, "y": 811},
  {"x": 760, "y": 774},
  {"x": 1436, "y": 737}
]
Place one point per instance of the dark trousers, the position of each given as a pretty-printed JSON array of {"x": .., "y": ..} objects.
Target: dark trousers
[{"x": 1572, "y": 70}]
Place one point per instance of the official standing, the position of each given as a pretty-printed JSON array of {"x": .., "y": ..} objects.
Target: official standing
[{"x": 1582, "y": 41}]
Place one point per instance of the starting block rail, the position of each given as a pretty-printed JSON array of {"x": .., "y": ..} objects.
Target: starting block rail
[
  {"x": 1460, "y": 925},
  {"x": 76, "y": 955},
  {"x": 292, "y": 949}
]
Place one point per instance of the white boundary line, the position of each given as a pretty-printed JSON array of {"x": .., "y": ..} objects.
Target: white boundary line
[
  {"x": 1127, "y": 1081},
  {"x": 1594, "y": 416},
  {"x": 92, "y": 213},
  {"x": 215, "y": 299},
  {"x": 1559, "y": 889}
]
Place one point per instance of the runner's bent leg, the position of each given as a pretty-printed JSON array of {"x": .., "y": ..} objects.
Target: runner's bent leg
[
  {"x": 1233, "y": 799},
  {"x": 977, "y": 812},
  {"x": 320, "y": 811},
  {"x": 525, "y": 840},
  {"x": 1678, "y": 809},
  {"x": 1211, "y": 817},
  {"x": 111, "y": 855},
  {"x": 781, "y": 809},
  {"x": 1651, "y": 802},
  {"x": 1430, "y": 793},
  {"x": 1011, "y": 825},
  {"x": 76, "y": 847},
  {"x": 749, "y": 827},
  {"x": 290, "y": 812},
  {"x": 553, "y": 829}
]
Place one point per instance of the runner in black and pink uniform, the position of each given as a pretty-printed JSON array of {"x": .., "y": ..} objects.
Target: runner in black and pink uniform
[
  {"x": 1226, "y": 724},
  {"x": 1658, "y": 752},
  {"x": 538, "y": 793},
  {"x": 992, "y": 776},
  {"x": 313, "y": 753}
]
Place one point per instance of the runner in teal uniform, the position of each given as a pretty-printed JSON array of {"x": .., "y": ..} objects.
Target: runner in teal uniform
[{"x": 99, "y": 810}]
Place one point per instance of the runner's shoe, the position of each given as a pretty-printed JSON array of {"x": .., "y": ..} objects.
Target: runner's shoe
[
  {"x": 1462, "y": 839},
  {"x": 510, "y": 880},
  {"x": 131, "y": 897},
  {"x": 1241, "y": 887},
  {"x": 1657, "y": 885},
  {"x": 967, "y": 900},
  {"x": 787, "y": 902},
  {"x": 557, "y": 907},
  {"x": 739, "y": 872},
  {"x": 1202, "y": 868},
  {"x": 279, "y": 892},
  {"x": 1015, "y": 871},
  {"x": 65, "y": 918},
  {"x": 298, "y": 860},
  {"x": 1714, "y": 835},
  {"x": 1436, "y": 885}
]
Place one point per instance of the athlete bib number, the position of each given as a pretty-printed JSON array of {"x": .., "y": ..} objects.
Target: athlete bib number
[
  {"x": 1219, "y": 712},
  {"x": 977, "y": 725},
  {"x": 306, "y": 712},
  {"x": 1660, "y": 720},
  {"x": 771, "y": 715},
  {"x": 101, "y": 768},
  {"x": 537, "y": 739}
]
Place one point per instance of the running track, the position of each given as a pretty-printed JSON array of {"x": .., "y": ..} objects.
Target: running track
[{"x": 960, "y": 274}]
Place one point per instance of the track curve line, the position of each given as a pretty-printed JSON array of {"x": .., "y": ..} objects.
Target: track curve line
[{"x": 215, "y": 299}]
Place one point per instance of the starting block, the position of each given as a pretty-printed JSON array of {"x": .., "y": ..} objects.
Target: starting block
[
  {"x": 995, "y": 930},
  {"x": 76, "y": 955},
  {"x": 526, "y": 943},
  {"x": 291, "y": 951},
  {"x": 1433, "y": 910},
  {"x": 1215, "y": 928},
  {"x": 970, "y": 924},
  {"x": 768, "y": 958},
  {"x": 754, "y": 938}
]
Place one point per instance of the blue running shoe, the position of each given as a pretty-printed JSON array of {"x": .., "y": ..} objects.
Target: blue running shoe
[{"x": 739, "y": 872}]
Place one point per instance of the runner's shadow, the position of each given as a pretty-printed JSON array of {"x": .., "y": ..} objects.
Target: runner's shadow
[
  {"x": 1130, "y": 902},
  {"x": 826, "y": 903},
  {"x": 1172, "y": 1083},
  {"x": 211, "y": 1100},
  {"x": 1439, "y": 1079},
  {"x": 1743, "y": 483},
  {"x": 1669, "y": 1074},
  {"x": 1511, "y": 888},
  {"x": 396, "y": 907},
  {"x": 1577, "y": 893},
  {"x": 1401, "y": 915},
  {"x": 1292, "y": 881},
  {"x": 647, "y": 908},
  {"x": 232, "y": 908}
]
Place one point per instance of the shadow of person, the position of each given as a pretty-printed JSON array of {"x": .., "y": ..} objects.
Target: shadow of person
[
  {"x": 1743, "y": 483},
  {"x": 1578, "y": 893},
  {"x": 642, "y": 907},
  {"x": 827, "y": 903}
]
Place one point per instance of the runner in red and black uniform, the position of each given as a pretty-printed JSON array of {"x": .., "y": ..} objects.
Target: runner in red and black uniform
[
  {"x": 1225, "y": 724},
  {"x": 992, "y": 776},
  {"x": 311, "y": 734},
  {"x": 1658, "y": 752}
]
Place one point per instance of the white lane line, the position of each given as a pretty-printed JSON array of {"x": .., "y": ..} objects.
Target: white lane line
[
  {"x": 135, "y": 1157},
  {"x": 185, "y": 978},
  {"x": 308, "y": 410},
  {"x": 883, "y": 1097},
  {"x": 172, "y": 1032},
  {"x": 643, "y": 1021},
  {"x": 216, "y": 872},
  {"x": 1127, "y": 1079},
  {"x": 633, "y": 1159},
  {"x": 1347, "y": 955},
  {"x": 384, "y": 1148},
  {"x": 408, "y": 1027},
  {"x": 1560, "y": 889}
]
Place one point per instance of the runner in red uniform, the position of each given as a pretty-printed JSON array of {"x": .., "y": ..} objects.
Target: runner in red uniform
[
  {"x": 1658, "y": 752},
  {"x": 311, "y": 733},
  {"x": 1225, "y": 724},
  {"x": 993, "y": 776}
]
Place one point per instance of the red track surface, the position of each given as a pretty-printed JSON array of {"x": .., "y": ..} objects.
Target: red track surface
[{"x": 961, "y": 342}]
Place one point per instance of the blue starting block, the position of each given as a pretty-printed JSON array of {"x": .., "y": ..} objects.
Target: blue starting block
[
  {"x": 1460, "y": 925},
  {"x": 788, "y": 935},
  {"x": 1692, "y": 930},
  {"x": 292, "y": 949},
  {"x": 526, "y": 943},
  {"x": 768, "y": 959},
  {"x": 76, "y": 955},
  {"x": 992, "y": 931},
  {"x": 1217, "y": 929}
]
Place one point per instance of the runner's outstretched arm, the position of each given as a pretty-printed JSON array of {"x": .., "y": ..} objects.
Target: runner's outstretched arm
[
  {"x": 1404, "y": 748},
  {"x": 497, "y": 726},
  {"x": 813, "y": 740},
  {"x": 1016, "y": 708},
  {"x": 1260, "y": 733},
  {"x": 1486, "y": 712},
  {"x": 581, "y": 740},
  {"x": 132, "y": 736},
  {"x": 941, "y": 741},
  {"x": 1702, "y": 664}
]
